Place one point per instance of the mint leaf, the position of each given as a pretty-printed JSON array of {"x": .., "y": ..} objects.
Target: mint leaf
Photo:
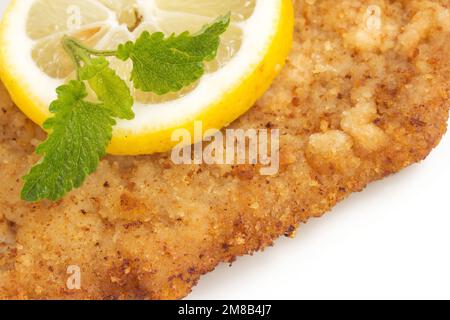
[
  {"x": 109, "y": 88},
  {"x": 79, "y": 134},
  {"x": 164, "y": 65}
]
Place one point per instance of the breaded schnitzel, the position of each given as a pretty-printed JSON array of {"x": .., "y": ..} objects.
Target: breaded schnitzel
[{"x": 364, "y": 94}]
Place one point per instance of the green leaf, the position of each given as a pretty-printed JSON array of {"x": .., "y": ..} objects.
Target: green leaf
[
  {"x": 164, "y": 65},
  {"x": 95, "y": 66},
  {"x": 109, "y": 88},
  {"x": 79, "y": 134}
]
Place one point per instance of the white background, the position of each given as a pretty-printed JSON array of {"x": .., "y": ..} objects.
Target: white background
[
  {"x": 3, "y": 4},
  {"x": 390, "y": 241}
]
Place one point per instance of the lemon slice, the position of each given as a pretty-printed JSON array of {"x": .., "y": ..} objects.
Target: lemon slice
[{"x": 252, "y": 52}]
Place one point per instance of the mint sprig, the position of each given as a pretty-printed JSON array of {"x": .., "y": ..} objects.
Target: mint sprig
[{"x": 80, "y": 129}]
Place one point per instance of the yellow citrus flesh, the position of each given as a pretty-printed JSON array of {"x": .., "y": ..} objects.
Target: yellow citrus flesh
[{"x": 150, "y": 132}]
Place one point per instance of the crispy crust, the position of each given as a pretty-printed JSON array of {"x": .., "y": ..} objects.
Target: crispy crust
[{"x": 353, "y": 106}]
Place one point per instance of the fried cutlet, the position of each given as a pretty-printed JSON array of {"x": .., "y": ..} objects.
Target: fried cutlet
[{"x": 364, "y": 94}]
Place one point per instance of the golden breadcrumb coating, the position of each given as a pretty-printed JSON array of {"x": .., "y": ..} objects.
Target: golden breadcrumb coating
[{"x": 364, "y": 94}]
